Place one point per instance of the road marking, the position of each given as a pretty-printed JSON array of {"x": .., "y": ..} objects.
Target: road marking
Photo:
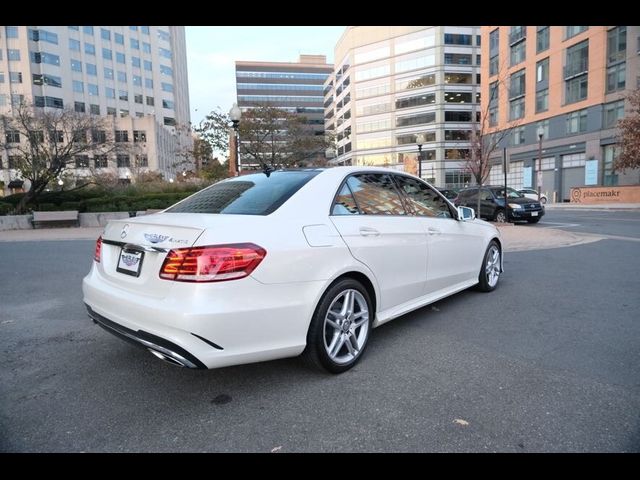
[
  {"x": 560, "y": 224},
  {"x": 613, "y": 237}
]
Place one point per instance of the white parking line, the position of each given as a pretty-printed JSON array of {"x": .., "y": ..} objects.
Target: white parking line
[{"x": 556, "y": 225}]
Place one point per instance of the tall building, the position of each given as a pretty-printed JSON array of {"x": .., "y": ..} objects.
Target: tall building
[
  {"x": 136, "y": 74},
  {"x": 566, "y": 84},
  {"x": 391, "y": 84},
  {"x": 294, "y": 87}
]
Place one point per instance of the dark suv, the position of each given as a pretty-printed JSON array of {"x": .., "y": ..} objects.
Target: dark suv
[{"x": 492, "y": 204}]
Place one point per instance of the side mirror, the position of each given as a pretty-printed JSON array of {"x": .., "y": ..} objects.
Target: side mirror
[{"x": 466, "y": 213}]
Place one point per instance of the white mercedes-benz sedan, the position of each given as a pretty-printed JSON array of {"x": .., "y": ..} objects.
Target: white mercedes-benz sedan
[{"x": 266, "y": 266}]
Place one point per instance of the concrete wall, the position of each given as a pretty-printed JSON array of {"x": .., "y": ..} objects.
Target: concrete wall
[{"x": 92, "y": 219}]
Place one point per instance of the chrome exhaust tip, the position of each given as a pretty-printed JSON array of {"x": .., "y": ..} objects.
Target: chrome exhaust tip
[{"x": 166, "y": 358}]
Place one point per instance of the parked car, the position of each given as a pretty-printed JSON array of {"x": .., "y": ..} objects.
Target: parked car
[
  {"x": 533, "y": 194},
  {"x": 492, "y": 204},
  {"x": 265, "y": 266},
  {"x": 449, "y": 193}
]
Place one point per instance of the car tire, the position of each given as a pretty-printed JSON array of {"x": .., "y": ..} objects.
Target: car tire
[
  {"x": 490, "y": 270},
  {"x": 500, "y": 216},
  {"x": 339, "y": 333},
  {"x": 543, "y": 200},
  {"x": 533, "y": 220}
]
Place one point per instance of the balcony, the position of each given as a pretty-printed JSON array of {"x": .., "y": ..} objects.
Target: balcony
[{"x": 576, "y": 68}]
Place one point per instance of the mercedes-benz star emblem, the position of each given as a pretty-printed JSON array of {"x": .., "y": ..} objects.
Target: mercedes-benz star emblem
[{"x": 124, "y": 231}]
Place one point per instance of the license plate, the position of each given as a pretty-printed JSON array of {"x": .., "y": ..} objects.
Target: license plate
[
  {"x": 534, "y": 214},
  {"x": 130, "y": 262}
]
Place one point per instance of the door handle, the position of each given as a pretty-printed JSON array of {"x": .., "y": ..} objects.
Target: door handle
[
  {"x": 369, "y": 232},
  {"x": 433, "y": 231}
]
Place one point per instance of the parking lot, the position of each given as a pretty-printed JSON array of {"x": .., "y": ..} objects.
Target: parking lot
[{"x": 549, "y": 362}]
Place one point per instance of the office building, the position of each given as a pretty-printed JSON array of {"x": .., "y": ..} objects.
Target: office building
[
  {"x": 137, "y": 75},
  {"x": 391, "y": 84},
  {"x": 560, "y": 89}
]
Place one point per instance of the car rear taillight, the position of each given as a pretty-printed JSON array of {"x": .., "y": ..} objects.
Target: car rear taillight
[
  {"x": 98, "y": 252},
  {"x": 214, "y": 263}
]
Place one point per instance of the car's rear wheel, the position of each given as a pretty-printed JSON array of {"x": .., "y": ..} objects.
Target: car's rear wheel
[
  {"x": 340, "y": 327},
  {"x": 490, "y": 270},
  {"x": 543, "y": 200},
  {"x": 500, "y": 217}
]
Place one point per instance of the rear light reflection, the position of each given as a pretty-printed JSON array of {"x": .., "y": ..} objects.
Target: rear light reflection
[
  {"x": 98, "y": 253},
  {"x": 214, "y": 263}
]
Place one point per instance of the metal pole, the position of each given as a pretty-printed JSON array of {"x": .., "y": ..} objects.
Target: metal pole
[
  {"x": 539, "y": 173},
  {"x": 504, "y": 169},
  {"x": 420, "y": 161},
  {"x": 237, "y": 151}
]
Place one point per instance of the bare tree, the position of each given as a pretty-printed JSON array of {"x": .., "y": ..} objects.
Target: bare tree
[
  {"x": 44, "y": 142},
  {"x": 485, "y": 140},
  {"x": 629, "y": 135}
]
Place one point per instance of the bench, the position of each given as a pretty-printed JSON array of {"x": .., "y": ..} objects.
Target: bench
[{"x": 56, "y": 219}]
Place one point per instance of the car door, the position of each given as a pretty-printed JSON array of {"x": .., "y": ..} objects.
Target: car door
[
  {"x": 369, "y": 213},
  {"x": 455, "y": 247}
]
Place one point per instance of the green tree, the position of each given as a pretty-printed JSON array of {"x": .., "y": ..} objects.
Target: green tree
[
  {"x": 44, "y": 142},
  {"x": 629, "y": 135}
]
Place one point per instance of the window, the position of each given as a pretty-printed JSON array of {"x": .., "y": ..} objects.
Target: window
[
  {"x": 167, "y": 104},
  {"x": 168, "y": 71},
  {"x": 457, "y": 135},
  {"x": 76, "y": 65},
  {"x": 455, "y": 77},
  {"x": 457, "y": 39},
  {"x": 89, "y": 49},
  {"x": 375, "y": 194},
  {"x": 610, "y": 178},
  {"x": 56, "y": 136},
  {"x": 98, "y": 136},
  {"x": 78, "y": 86},
  {"x": 542, "y": 100},
  {"x": 2, "y": 78},
  {"x": 542, "y": 70},
  {"x": 572, "y": 31},
  {"x": 422, "y": 200},
  {"x": 162, "y": 35},
  {"x": 457, "y": 59},
  {"x": 517, "y": 84},
  {"x": 167, "y": 87},
  {"x": 12, "y": 136},
  {"x": 517, "y": 137},
  {"x": 169, "y": 121},
  {"x": 164, "y": 52},
  {"x": 53, "y": 102},
  {"x": 52, "y": 80},
  {"x": 123, "y": 161},
  {"x": 94, "y": 109},
  {"x": 478, "y": 59},
  {"x": 92, "y": 69},
  {"x": 576, "y": 89},
  {"x": 344, "y": 203},
  {"x": 457, "y": 116},
  {"x": 516, "y": 108},
  {"x": 111, "y": 111},
  {"x": 82, "y": 161},
  {"x": 150, "y": 101},
  {"x": 88, "y": 29},
  {"x": 137, "y": 80},
  {"x": 494, "y": 40},
  {"x": 107, "y": 54},
  {"x": 577, "y": 121},
  {"x": 144, "y": 29},
  {"x": 13, "y": 55},
  {"x": 146, "y": 47},
  {"x": 542, "y": 39},
  {"x": 122, "y": 76},
  {"x": 73, "y": 27},
  {"x": 457, "y": 97},
  {"x": 616, "y": 44},
  {"x": 123, "y": 95},
  {"x": 100, "y": 161},
  {"x": 135, "y": 61},
  {"x": 427, "y": 117},
  {"x": 493, "y": 65},
  {"x": 17, "y": 100},
  {"x": 120, "y": 57},
  {"x": 134, "y": 43},
  {"x": 616, "y": 77},
  {"x": 137, "y": 98},
  {"x": 139, "y": 136},
  {"x": 79, "y": 107},
  {"x": 142, "y": 160},
  {"x": 42, "y": 57},
  {"x": 122, "y": 136},
  {"x": 456, "y": 153},
  {"x": 108, "y": 73},
  {"x": 12, "y": 32},
  {"x": 518, "y": 52},
  {"x": 110, "y": 92},
  {"x": 15, "y": 77},
  {"x": 612, "y": 113},
  {"x": 74, "y": 45},
  {"x": 119, "y": 38},
  {"x": 105, "y": 34},
  {"x": 93, "y": 89},
  {"x": 409, "y": 102},
  {"x": 494, "y": 93},
  {"x": 575, "y": 72},
  {"x": 147, "y": 65},
  {"x": 545, "y": 128}
]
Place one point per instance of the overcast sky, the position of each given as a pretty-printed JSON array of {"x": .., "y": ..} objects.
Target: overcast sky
[{"x": 212, "y": 52}]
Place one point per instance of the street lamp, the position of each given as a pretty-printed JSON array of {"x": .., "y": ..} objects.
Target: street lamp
[
  {"x": 235, "y": 115},
  {"x": 540, "y": 133},
  {"x": 421, "y": 139}
]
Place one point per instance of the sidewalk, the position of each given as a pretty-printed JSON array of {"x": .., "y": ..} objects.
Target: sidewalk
[
  {"x": 596, "y": 206},
  {"x": 515, "y": 237}
]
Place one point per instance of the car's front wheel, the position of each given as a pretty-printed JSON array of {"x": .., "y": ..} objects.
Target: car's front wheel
[
  {"x": 340, "y": 327},
  {"x": 490, "y": 270},
  {"x": 500, "y": 216}
]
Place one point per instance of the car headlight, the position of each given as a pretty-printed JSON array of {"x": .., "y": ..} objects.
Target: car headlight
[{"x": 515, "y": 206}]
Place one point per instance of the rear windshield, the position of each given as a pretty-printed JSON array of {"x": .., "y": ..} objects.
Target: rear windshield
[{"x": 254, "y": 194}]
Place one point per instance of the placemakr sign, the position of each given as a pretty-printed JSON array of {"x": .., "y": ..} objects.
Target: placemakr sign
[{"x": 624, "y": 194}]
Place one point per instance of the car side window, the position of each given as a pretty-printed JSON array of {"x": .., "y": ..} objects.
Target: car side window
[
  {"x": 376, "y": 194},
  {"x": 423, "y": 200},
  {"x": 344, "y": 203},
  {"x": 486, "y": 195}
]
